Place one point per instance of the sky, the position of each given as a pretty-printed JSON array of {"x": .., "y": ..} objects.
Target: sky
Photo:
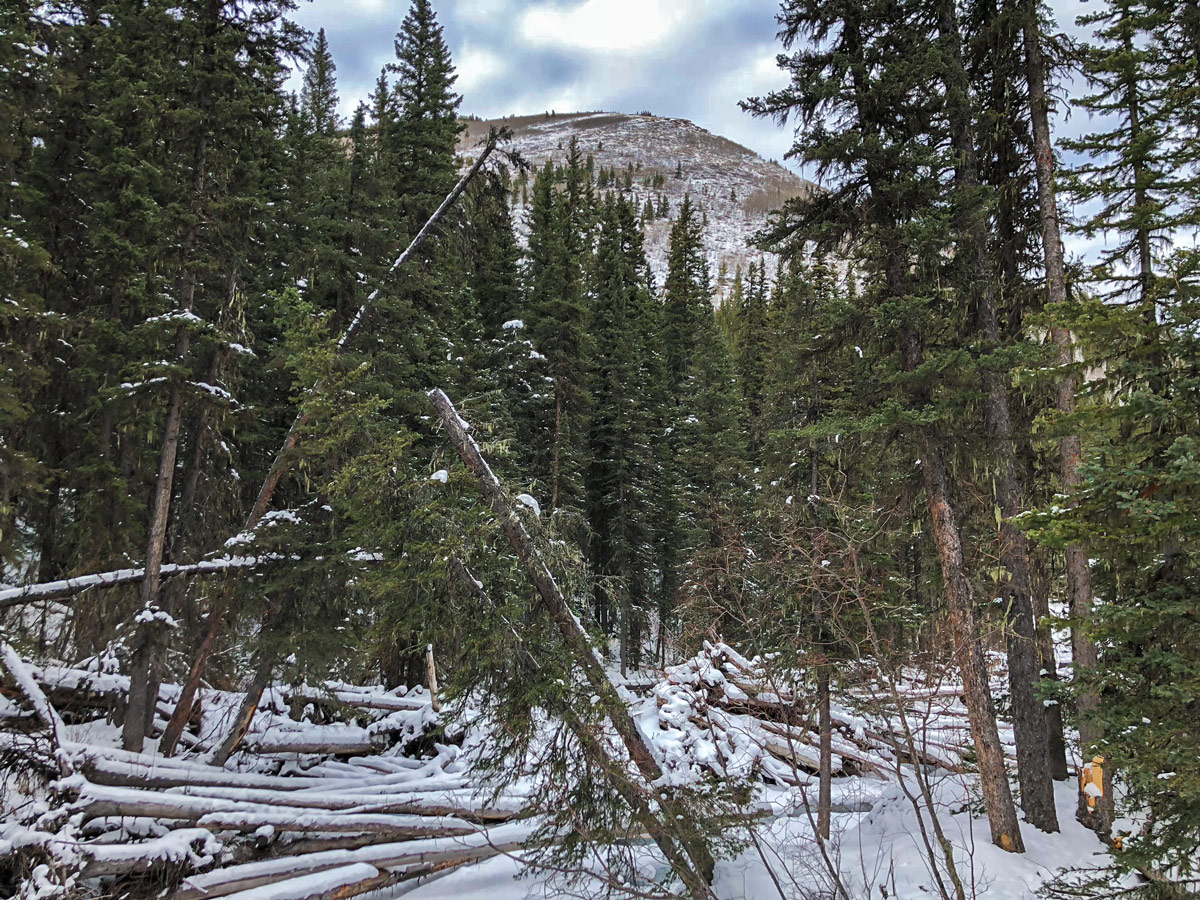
[{"x": 692, "y": 59}]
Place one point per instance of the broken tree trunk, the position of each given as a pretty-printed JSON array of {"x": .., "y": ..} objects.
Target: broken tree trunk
[
  {"x": 283, "y": 461},
  {"x": 29, "y": 687},
  {"x": 676, "y": 833}
]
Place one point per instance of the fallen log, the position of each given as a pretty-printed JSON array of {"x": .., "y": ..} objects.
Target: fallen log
[
  {"x": 72, "y": 587},
  {"x": 400, "y": 827},
  {"x": 220, "y": 814},
  {"x": 360, "y": 802},
  {"x": 384, "y": 702},
  {"x": 334, "y": 884},
  {"x": 233, "y": 879},
  {"x": 117, "y": 773},
  {"x": 193, "y": 848},
  {"x": 277, "y": 746}
]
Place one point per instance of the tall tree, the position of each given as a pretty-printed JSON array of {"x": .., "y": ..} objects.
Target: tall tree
[
  {"x": 621, "y": 468},
  {"x": 848, "y": 70}
]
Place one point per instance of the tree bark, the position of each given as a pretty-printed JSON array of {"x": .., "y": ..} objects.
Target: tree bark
[
  {"x": 825, "y": 774},
  {"x": 245, "y": 714},
  {"x": 1049, "y": 665},
  {"x": 676, "y": 833},
  {"x": 960, "y": 598},
  {"x": 153, "y": 633}
]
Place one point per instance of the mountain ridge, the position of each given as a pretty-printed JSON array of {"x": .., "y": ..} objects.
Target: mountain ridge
[{"x": 734, "y": 187}]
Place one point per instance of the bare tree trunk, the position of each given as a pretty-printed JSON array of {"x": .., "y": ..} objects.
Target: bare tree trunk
[
  {"x": 1079, "y": 576},
  {"x": 825, "y": 767},
  {"x": 674, "y": 831},
  {"x": 431, "y": 674},
  {"x": 153, "y": 633},
  {"x": 960, "y": 598},
  {"x": 1049, "y": 664}
]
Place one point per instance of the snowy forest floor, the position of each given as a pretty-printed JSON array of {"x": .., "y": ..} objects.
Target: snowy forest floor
[{"x": 346, "y": 791}]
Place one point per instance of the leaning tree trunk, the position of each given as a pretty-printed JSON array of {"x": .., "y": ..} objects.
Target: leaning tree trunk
[
  {"x": 1079, "y": 576},
  {"x": 153, "y": 633},
  {"x": 960, "y": 599},
  {"x": 284, "y": 460},
  {"x": 673, "y": 832}
]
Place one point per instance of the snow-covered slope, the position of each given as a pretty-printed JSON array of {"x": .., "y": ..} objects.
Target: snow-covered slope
[{"x": 733, "y": 185}]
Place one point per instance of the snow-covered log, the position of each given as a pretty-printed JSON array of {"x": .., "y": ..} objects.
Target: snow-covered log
[
  {"x": 33, "y": 693},
  {"x": 408, "y": 855},
  {"x": 72, "y": 587}
]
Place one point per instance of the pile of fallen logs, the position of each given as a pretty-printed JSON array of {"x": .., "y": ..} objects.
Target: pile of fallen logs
[
  {"x": 333, "y": 795},
  {"x": 328, "y": 822},
  {"x": 733, "y": 716}
]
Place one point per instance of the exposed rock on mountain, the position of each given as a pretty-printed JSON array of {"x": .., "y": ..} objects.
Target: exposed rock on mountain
[{"x": 655, "y": 157}]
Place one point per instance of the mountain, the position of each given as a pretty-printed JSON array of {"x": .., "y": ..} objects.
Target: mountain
[{"x": 733, "y": 185}]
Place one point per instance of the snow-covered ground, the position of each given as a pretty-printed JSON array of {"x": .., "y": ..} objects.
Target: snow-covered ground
[
  {"x": 433, "y": 805},
  {"x": 877, "y": 851}
]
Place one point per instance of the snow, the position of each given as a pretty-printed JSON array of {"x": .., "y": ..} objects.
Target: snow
[
  {"x": 730, "y": 183},
  {"x": 440, "y": 475},
  {"x": 876, "y": 828},
  {"x": 317, "y": 884},
  {"x": 528, "y": 501},
  {"x": 514, "y": 325}
]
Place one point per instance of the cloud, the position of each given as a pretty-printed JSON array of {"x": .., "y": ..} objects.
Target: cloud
[
  {"x": 608, "y": 26},
  {"x": 692, "y": 59},
  {"x": 477, "y": 66}
]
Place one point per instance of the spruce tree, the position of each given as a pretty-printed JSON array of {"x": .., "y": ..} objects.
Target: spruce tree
[
  {"x": 621, "y": 470},
  {"x": 559, "y": 242},
  {"x": 22, "y": 263}
]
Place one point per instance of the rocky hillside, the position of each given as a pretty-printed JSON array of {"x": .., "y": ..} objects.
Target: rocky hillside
[{"x": 734, "y": 186}]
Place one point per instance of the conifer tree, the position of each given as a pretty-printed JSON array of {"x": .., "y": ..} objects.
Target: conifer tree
[
  {"x": 559, "y": 241},
  {"x": 751, "y": 350},
  {"x": 846, "y": 66},
  {"x": 621, "y": 470},
  {"x": 1136, "y": 500},
  {"x": 22, "y": 262}
]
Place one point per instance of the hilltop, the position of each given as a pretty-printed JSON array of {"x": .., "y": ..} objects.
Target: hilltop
[{"x": 734, "y": 186}]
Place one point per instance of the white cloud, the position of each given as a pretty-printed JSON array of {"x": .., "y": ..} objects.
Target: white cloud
[
  {"x": 611, "y": 26},
  {"x": 476, "y": 66}
]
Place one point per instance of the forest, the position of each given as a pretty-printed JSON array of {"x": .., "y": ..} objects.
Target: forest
[{"x": 370, "y": 510}]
